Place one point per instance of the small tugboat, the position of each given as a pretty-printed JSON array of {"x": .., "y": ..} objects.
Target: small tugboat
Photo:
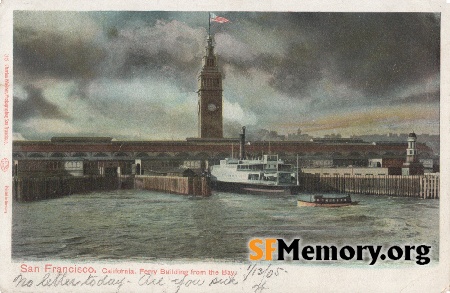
[{"x": 322, "y": 201}]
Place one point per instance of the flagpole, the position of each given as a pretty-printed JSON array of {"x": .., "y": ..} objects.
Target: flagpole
[{"x": 209, "y": 24}]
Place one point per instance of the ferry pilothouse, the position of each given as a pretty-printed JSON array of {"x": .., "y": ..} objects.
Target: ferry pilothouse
[{"x": 265, "y": 175}]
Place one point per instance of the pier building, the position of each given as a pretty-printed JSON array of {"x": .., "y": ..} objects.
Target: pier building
[
  {"x": 389, "y": 164},
  {"x": 103, "y": 156}
]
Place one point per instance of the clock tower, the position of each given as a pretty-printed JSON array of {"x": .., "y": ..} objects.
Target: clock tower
[{"x": 210, "y": 123}]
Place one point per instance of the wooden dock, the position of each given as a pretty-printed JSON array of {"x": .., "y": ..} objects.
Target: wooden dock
[
  {"x": 39, "y": 188},
  {"x": 421, "y": 186},
  {"x": 173, "y": 184},
  {"x": 30, "y": 189}
]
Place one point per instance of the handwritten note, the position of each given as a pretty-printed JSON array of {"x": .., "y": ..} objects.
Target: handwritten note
[{"x": 253, "y": 278}]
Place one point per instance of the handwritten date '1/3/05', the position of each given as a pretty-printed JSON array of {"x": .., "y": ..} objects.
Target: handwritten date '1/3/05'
[{"x": 260, "y": 276}]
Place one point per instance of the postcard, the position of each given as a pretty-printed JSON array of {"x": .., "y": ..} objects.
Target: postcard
[{"x": 212, "y": 146}]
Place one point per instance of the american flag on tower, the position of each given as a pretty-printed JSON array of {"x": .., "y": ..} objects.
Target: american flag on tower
[{"x": 218, "y": 19}]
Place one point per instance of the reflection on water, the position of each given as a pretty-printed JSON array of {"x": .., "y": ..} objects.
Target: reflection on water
[{"x": 144, "y": 225}]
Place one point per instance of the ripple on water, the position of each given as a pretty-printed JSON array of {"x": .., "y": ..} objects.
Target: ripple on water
[{"x": 143, "y": 225}]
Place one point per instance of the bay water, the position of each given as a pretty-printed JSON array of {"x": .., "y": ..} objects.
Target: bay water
[{"x": 147, "y": 226}]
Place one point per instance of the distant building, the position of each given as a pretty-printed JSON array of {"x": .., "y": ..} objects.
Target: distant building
[
  {"x": 390, "y": 164},
  {"x": 337, "y": 140},
  {"x": 430, "y": 165}
]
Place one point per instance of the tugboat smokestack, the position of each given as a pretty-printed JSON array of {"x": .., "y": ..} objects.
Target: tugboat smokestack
[{"x": 242, "y": 144}]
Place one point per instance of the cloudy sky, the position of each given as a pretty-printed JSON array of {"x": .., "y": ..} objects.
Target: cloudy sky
[{"x": 133, "y": 75}]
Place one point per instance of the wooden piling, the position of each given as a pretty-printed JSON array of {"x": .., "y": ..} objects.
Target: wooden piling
[
  {"x": 424, "y": 186},
  {"x": 172, "y": 184},
  {"x": 39, "y": 188}
]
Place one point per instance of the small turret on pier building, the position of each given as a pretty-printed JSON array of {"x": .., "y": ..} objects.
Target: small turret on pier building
[{"x": 412, "y": 166}]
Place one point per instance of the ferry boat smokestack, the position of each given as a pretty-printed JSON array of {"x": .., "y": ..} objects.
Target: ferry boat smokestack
[{"x": 242, "y": 144}]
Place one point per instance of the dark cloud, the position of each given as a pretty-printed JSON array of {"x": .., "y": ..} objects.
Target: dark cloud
[
  {"x": 140, "y": 63},
  {"x": 112, "y": 19},
  {"x": 376, "y": 53},
  {"x": 312, "y": 62},
  {"x": 422, "y": 98},
  {"x": 47, "y": 54},
  {"x": 372, "y": 52},
  {"x": 35, "y": 105},
  {"x": 166, "y": 49},
  {"x": 297, "y": 71}
]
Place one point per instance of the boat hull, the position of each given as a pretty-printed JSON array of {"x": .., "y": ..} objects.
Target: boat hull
[{"x": 245, "y": 188}]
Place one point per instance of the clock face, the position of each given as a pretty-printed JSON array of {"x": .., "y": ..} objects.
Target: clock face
[{"x": 212, "y": 107}]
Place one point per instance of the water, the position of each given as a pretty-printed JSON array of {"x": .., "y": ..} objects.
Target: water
[{"x": 145, "y": 225}]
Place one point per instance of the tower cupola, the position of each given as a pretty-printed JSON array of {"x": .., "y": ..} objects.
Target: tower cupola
[
  {"x": 411, "y": 151},
  {"x": 412, "y": 166}
]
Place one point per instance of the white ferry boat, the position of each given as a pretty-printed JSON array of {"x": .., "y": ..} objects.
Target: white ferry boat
[{"x": 266, "y": 175}]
